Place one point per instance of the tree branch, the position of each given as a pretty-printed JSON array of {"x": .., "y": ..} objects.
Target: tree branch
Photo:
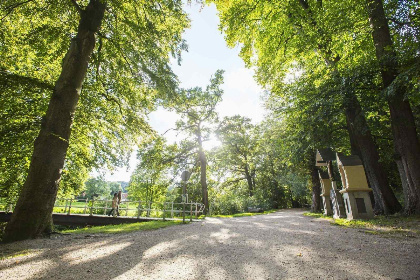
[
  {"x": 111, "y": 98},
  {"x": 79, "y": 10},
  {"x": 14, "y": 6},
  {"x": 398, "y": 22}
]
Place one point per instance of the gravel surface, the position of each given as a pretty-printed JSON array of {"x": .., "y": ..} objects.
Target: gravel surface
[{"x": 281, "y": 245}]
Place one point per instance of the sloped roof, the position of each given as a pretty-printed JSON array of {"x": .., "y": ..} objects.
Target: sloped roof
[
  {"x": 323, "y": 156},
  {"x": 348, "y": 160}
]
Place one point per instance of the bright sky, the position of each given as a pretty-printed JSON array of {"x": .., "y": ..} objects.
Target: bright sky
[{"x": 207, "y": 52}]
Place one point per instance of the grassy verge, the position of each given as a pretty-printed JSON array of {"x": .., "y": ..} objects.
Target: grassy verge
[
  {"x": 122, "y": 228},
  {"x": 242, "y": 214},
  {"x": 391, "y": 226},
  {"x": 5, "y": 256},
  {"x": 317, "y": 215}
]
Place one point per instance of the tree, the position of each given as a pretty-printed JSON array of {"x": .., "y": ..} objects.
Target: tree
[
  {"x": 197, "y": 110},
  {"x": 134, "y": 43},
  {"x": 238, "y": 150},
  {"x": 406, "y": 141},
  {"x": 151, "y": 179},
  {"x": 297, "y": 128},
  {"x": 279, "y": 38},
  {"x": 97, "y": 187}
]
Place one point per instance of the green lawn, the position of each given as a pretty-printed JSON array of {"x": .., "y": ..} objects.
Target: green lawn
[
  {"x": 394, "y": 225},
  {"x": 122, "y": 228},
  {"x": 243, "y": 214}
]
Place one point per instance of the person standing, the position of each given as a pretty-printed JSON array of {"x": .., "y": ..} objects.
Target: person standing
[{"x": 114, "y": 204}]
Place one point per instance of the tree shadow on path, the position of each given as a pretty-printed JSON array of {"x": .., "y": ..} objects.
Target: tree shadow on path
[{"x": 282, "y": 245}]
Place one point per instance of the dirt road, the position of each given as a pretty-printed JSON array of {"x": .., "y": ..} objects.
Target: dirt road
[{"x": 282, "y": 245}]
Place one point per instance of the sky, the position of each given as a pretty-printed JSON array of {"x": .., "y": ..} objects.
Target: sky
[{"x": 207, "y": 52}]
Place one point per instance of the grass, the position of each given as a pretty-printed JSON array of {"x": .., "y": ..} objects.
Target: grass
[
  {"x": 317, "y": 215},
  {"x": 122, "y": 228},
  {"x": 5, "y": 256},
  {"x": 243, "y": 214},
  {"x": 388, "y": 226}
]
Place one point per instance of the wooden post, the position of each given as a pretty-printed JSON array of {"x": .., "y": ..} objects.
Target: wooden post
[
  {"x": 65, "y": 208},
  {"x": 71, "y": 200},
  {"x": 86, "y": 203},
  {"x": 183, "y": 202},
  {"x": 172, "y": 210},
  {"x": 138, "y": 210},
  {"x": 190, "y": 212},
  {"x": 196, "y": 211},
  {"x": 91, "y": 207},
  {"x": 164, "y": 210},
  {"x": 105, "y": 206}
]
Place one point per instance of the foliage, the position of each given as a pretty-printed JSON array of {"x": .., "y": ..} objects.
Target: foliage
[
  {"x": 161, "y": 163},
  {"x": 310, "y": 56},
  {"x": 236, "y": 157},
  {"x": 127, "y": 76},
  {"x": 99, "y": 188}
]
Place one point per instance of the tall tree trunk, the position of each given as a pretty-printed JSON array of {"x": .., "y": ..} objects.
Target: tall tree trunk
[
  {"x": 316, "y": 191},
  {"x": 249, "y": 180},
  {"x": 203, "y": 171},
  {"x": 385, "y": 200},
  {"x": 293, "y": 202},
  {"x": 361, "y": 139},
  {"x": 406, "y": 141},
  {"x": 409, "y": 195},
  {"x": 33, "y": 213}
]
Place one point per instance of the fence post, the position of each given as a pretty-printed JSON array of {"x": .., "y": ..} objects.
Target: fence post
[
  {"x": 65, "y": 208},
  {"x": 105, "y": 206},
  {"x": 172, "y": 210},
  {"x": 91, "y": 207},
  {"x": 183, "y": 212},
  {"x": 210, "y": 210},
  {"x": 196, "y": 210},
  {"x": 71, "y": 200},
  {"x": 190, "y": 212},
  {"x": 86, "y": 203},
  {"x": 10, "y": 207},
  {"x": 138, "y": 210},
  {"x": 164, "y": 204}
]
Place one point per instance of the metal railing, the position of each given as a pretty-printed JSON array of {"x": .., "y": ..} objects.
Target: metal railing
[
  {"x": 126, "y": 208},
  {"x": 129, "y": 208}
]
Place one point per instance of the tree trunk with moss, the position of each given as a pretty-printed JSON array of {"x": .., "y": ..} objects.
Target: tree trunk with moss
[
  {"x": 385, "y": 199},
  {"x": 316, "y": 191},
  {"x": 32, "y": 216},
  {"x": 406, "y": 142}
]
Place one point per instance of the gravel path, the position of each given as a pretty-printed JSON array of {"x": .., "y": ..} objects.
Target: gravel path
[{"x": 282, "y": 245}]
